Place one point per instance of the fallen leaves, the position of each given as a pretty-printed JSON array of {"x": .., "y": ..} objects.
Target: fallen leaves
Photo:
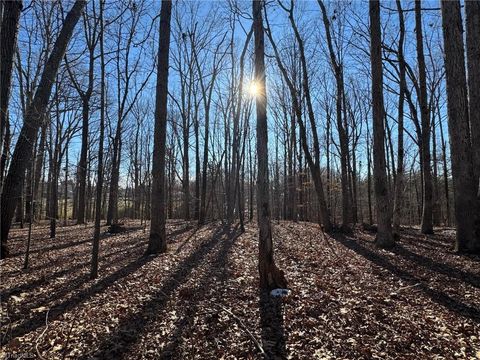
[{"x": 200, "y": 299}]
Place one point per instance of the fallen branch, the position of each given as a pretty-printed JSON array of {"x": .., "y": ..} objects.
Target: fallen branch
[
  {"x": 408, "y": 287},
  {"x": 245, "y": 328},
  {"x": 41, "y": 335}
]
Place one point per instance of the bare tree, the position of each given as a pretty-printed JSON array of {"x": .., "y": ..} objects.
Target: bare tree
[
  {"x": 32, "y": 122},
  {"x": 313, "y": 162},
  {"x": 337, "y": 66},
  {"x": 427, "y": 214},
  {"x": 464, "y": 182},
  {"x": 158, "y": 241},
  {"x": 472, "y": 11},
  {"x": 91, "y": 40},
  {"x": 8, "y": 35},
  {"x": 397, "y": 205},
  {"x": 270, "y": 276},
  {"x": 384, "y": 236},
  {"x": 98, "y": 202}
]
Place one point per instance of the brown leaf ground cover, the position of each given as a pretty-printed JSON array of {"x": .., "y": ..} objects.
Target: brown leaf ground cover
[{"x": 200, "y": 300}]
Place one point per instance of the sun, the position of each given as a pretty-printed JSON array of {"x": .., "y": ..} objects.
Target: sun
[{"x": 253, "y": 88}]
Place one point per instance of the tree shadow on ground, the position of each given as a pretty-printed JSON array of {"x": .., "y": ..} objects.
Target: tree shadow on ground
[
  {"x": 75, "y": 299},
  {"x": 441, "y": 268},
  {"x": 218, "y": 269},
  {"x": 181, "y": 230},
  {"x": 130, "y": 329},
  {"x": 274, "y": 338},
  {"x": 436, "y": 295},
  {"x": 45, "y": 280},
  {"x": 63, "y": 245}
]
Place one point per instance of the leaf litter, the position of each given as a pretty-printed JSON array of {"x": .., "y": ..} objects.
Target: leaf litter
[{"x": 200, "y": 300}]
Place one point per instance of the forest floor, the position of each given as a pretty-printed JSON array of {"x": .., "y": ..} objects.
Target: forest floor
[{"x": 200, "y": 300}]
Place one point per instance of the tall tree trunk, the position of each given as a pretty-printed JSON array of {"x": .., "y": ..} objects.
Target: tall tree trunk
[
  {"x": 65, "y": 197},
  {"x": 99, "y": 189},
  {"x": 313, "y": 162},
  {"x": 157, "y": 240},
  {"x": 369, "y": 181},
  {"x": 112, "y": 213},
  {"x": 82, "y": 165},
  {"x": 445, "y": 172},
  {"x": 186, "y": 172},
  {"x": 342, "y": 132},
  {"x": 8, "y": 36},
  {"x": 33, "y": 118},
  {"x": 464, "y": 182},
  {"x": 398, "y": 200},
  {"x": 270, "y": 276},
  {"x": 384, "y": 236},
  {"x": 197, "y": 170},
  {"x": 472, "y": 11},
  {"x": 427, "y": 209}
]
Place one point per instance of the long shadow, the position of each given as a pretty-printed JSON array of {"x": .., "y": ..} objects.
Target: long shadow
[
  {"x": 185, "y": 241},
  {"x": 444, "y": 269},
  {"x": 274, "y": 338},
  {"x": 430, "y": 240},
  {"x": 54, "y": 247},
  {"x": 181, "y": 231},
  {"x": 219, "y": 263},
  {"x": 4, "y": 295},
  {"x": 66, "y": 244},
  {"x": 130, "y": 328},
  {"x": 435, "y": 295},
  {"x": 38, "y": 320}
]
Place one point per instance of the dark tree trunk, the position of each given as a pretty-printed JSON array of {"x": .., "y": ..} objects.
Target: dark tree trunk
[
  {"x": 427, "y": 209},
  {"x": 464, "y": 182},
  {"x": 384, "y": 236},
  {"x": 270, "y": 276},
  {"x": 33, "y": 118},
  {"x": 157, "y": 240},
  {"x": 398, "y": 200},
  {"x": 8, "y": 36},
  {"x": 472, "y": 11},
  {"x": 99, "y": 189}
]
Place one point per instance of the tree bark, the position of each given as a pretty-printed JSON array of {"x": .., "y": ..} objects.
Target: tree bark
[
  {"x": 384, "y": 236},
  {"x": 397, "y": 204},
  {"x": 464, "y": 184},
  {"x": 99, "y": 189},
  {"x": 270, "y": 276},
  {"x": 8, "y": 36},
  {"x": 313, "y": 162},
  {"x": 342, "y": 133},
  {"x": 427, "y": 209},
  {"x": 157, "y": 240},
  {"x": 472, "y": 11},
  {"x": 32, "y": 122}
]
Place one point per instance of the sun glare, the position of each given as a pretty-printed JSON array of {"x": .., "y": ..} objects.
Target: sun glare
[{"x": 253, "y": 88}]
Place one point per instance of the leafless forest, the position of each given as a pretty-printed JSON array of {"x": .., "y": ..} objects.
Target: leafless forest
[{"x": 240, "y": 179}]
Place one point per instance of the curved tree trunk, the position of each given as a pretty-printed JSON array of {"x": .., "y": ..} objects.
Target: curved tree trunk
[
  {"x": 8, "y": 36},
  {"x": 33, "y": 119}
]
